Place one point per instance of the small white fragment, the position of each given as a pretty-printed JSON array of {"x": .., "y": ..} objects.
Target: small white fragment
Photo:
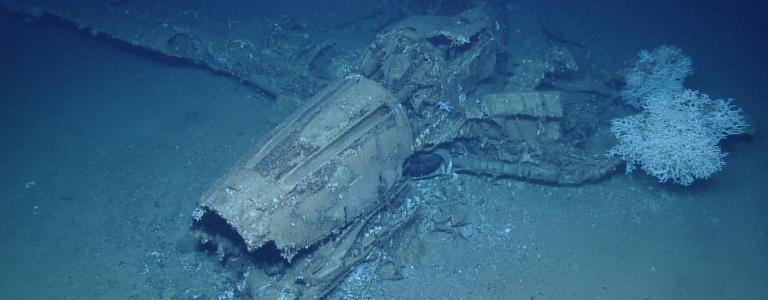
[
  {"x": 198, "y": 214},
  {"x": 230, "y": 190},
  {"x": 443, "y": 105}
]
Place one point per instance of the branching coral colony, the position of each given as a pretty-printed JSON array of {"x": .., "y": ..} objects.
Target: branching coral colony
[{"x": 676, "y": 135}]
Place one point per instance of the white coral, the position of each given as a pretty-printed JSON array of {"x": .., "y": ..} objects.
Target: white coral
[
  {"x": 657, "y": 73},
  {"x": 676, "y": 136}
]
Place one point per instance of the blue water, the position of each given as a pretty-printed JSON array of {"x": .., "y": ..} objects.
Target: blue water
[{"x": 105, "y": 151}]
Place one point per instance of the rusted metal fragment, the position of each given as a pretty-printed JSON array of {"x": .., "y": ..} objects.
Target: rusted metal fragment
[
  {"x": 529, "y": 104},
  {"x": 552, "y": 164},
  {"x": 524, "y": 116}
]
